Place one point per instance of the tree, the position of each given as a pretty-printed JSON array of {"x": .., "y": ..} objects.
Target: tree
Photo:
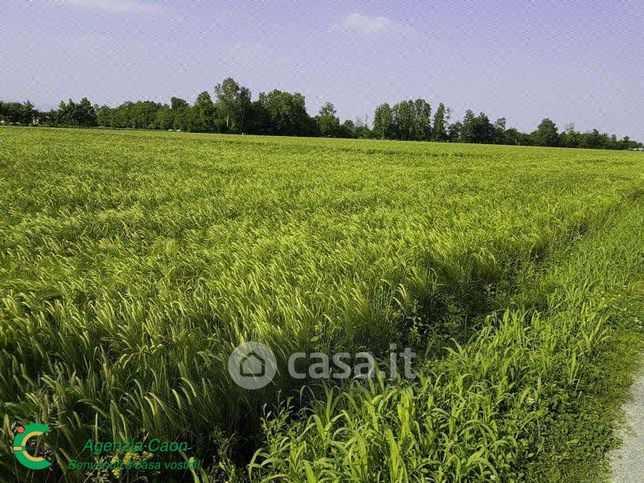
[
  {"x": 346, "y": 130},
  {"x": 66, "y": 112},
  {"x": 546, "y": 134},
  {"x": 361, "y": 129},
  {"x": 569, "y": 138},
  {"x": 512, "y": 136},
  {"x": 178, "y": 103},
  {"x": 383, "y": 125},
  {"x": 86, "y": 113},
  {"x": 104, "y": 116},
  {"x": 477, "y": 129},
  {"x": 185, "y": 119},
  {"x": 17, "y": 112},
  {"x": 285, "y": 114},
  {"x": 404, "y": 120},
  {"x": 82, "y": 114},
  {"x": 454, "y": 132},
  {"x": 204, "y": 113},
  {"x": 137, "y": 115},
  {"x": 182, "y": 114},
  {"x": 328, "y": 122},
  {"x": 467, "y": 127},
  {"x": 422, "y": 120},
  {"x": 256, "y": 120},
  {"x": 164, "y": 118},
  {"x": 594, "y": 140},
  {"x": 440, "y": 130},
  {"x": 233, "y": 103},
  {"x": 500, "y": 131}
]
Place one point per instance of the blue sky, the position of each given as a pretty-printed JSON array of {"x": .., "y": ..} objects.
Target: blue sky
[{"x": 579, "y": 62}]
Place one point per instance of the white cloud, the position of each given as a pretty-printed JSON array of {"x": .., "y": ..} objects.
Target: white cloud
[
  {"x": 365, "y": 24},
  {"x": 117, "y": 6}
]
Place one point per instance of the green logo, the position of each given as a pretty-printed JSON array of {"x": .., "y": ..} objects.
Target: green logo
[{"x": 20, "y": 446}]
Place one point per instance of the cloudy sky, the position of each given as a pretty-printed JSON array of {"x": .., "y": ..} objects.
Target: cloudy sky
[{"x": 571, "y": 61}]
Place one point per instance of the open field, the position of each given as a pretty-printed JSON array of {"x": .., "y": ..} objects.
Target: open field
[{"x": 133, "y": 263}]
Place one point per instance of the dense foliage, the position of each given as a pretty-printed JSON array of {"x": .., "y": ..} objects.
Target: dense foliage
[
  {"x": 283, "y": 113},
  {"x": 483, "y": 413},
  {"x": 132, "y": 263}
]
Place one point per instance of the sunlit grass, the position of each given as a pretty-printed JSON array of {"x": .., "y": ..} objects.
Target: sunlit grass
[{"x": 132, "y": 263}]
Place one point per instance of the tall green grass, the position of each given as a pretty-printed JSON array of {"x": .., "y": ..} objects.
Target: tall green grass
[
  {"x": 483, "y": 413},
  {"x": 132, "y": 263}
]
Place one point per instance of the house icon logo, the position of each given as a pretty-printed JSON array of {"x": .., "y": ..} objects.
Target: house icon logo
[{"x": 252, "y": 365}]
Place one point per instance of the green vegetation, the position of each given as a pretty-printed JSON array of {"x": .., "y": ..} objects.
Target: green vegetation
[
  {"x": 281, "y": 113},
  {"x": 132, "y": 263},
  {"x": 508, "y": 406}
]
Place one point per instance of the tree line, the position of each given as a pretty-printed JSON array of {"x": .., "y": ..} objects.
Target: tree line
[{"x": 231, "y": 110}]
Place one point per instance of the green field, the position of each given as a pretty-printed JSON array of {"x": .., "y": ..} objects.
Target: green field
[{"x": 133, "y": 263}]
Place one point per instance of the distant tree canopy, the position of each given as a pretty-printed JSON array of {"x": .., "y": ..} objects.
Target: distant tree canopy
[
  {"x": 440, "y": 124},
  {"x": 284, "y": 114},
  {"x": 476, "y": 129},
  {"x": 233, "y": 103},
  {"x": 546, "y": 134},
  {"x": 17, "y": 113},
  {"x": 328, "y": 121},
  {"x": 383, "y": 124},
  {"x": 229, "y": 108}
]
